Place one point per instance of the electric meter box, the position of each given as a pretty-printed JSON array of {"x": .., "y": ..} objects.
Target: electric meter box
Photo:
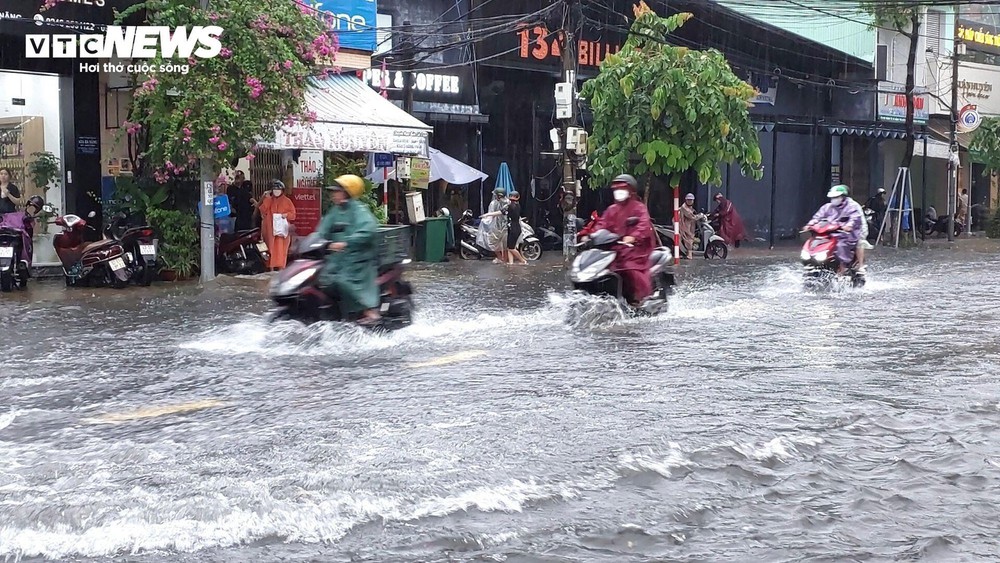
[{"x": 415, "y": 207}]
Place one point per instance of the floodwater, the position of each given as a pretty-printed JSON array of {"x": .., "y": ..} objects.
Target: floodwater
[{"x": 753, "y": 422}]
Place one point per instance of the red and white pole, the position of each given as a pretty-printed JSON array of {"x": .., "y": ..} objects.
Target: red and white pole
[{"x": 677, "y": 225}]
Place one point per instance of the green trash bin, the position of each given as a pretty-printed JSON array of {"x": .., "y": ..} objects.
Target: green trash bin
[{"x": 431, "y": 236}]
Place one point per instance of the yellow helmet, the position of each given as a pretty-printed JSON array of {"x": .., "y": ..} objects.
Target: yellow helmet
[{"x": 353, "y": 185}]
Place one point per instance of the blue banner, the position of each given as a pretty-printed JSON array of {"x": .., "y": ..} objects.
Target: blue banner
[
  {"x": 222, "y": 208},
  {"x": 353, "y": 21}
]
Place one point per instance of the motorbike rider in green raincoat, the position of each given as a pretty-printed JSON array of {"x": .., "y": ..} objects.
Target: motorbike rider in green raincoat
[{"x": 352, "y": 266}]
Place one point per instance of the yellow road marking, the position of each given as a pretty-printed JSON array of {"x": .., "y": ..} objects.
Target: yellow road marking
[
  {"x": 151, "y": 412},
  {"x": 450, "y": 359}
]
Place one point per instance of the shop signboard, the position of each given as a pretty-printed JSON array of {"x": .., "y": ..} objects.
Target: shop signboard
[
  {"x": 891, "y": 104},
  {"x": 976, "y": 85},
  {"x": 63, "y": 17},
  {"x": 766, "y": 86},
  {"x": 354, "y": 22},
  {"x": 335, "y": 137},
  {"x": 420, "y": 172},
  {"x": 307, "y": 188},
  {"x": 537, "y": 45},
  {"x": 979, "y": 27},
  {"x": 384, "y": 160}
]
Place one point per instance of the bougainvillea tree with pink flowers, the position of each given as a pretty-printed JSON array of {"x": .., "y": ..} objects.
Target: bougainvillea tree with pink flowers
[{"x": 220, "y": 107}]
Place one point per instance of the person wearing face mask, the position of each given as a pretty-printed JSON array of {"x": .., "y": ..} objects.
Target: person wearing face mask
[
  {"x": 638, "y": 238},
  {"x": 846, "y": 212},
  {"x": 276, "y": 203},
  {"x": 351, "y": 268}
]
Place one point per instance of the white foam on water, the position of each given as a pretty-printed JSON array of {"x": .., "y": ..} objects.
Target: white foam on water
[
  {"x": 780, "y": 448},
  {"x": 8, "y": 418},
  {"x": 290, "y": 338},
  {"x": 310, "y": 518}
]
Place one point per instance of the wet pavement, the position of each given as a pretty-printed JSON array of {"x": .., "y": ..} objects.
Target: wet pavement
[{"x": 753, "y": 422}]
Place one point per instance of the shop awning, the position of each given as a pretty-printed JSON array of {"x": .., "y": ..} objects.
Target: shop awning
[
  {"x": 351, "y": 117},
  {"x": 943, "y": 133},
  {"x": 443, "y": 167},
  {"x": 868, "y": 131},
  {"x": 935, "y": 149}
]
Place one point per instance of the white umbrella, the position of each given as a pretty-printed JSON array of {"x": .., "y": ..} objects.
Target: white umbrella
[{"x": 443, "y": 167}]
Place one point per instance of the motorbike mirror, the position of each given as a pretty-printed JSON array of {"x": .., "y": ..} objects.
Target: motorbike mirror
[
  {"x": 632, "y": 221},
  {"x": 47, "y": 208},
  {"x": 92, "y": 214}
]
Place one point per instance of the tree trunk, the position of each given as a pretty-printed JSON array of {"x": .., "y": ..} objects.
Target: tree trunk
[
  {"x": 911, "y": 64},
  {"x": 649, "y": 189}
]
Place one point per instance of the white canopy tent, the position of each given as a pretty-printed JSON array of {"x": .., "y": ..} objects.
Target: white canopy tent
[{"x": 443, "y": 167}]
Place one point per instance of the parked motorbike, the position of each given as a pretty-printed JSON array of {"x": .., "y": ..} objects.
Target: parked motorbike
[
  {"x": 298, "y": 295},
  {"x": 469, "y": 249},
  {"x": 243, "y": 252},
  {"x": 591, "y": 273},
  {"x": 712, "y": 245},
  {"x": 100, "y": 263},
  {"x": 820, "y": 259},
  {"x": 933, "y": 223},
  {"x": 140, "y": 248},
  {"x": 16, "y": 230}
]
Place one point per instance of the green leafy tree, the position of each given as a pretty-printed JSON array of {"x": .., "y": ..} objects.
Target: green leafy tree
[
  {"x": 985, "y": 148},
  {"x": 661, "y": 110},
  {"x": 985, "y": 145},
  {"x": 904, "y": 17},
  {"x": 219, "y": 107},
  {"x": 336, "y": 165}
]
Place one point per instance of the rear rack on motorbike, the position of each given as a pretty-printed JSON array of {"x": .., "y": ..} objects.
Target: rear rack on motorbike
[{"x": 393, "y": 244}]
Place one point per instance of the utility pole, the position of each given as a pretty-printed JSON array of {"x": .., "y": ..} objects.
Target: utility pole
[
  {"x": 207, "y": 215},
  {"x": 407, "y": 55},
  {"x": 571, "y": 191},
  {"x": 953, "y": 158}
]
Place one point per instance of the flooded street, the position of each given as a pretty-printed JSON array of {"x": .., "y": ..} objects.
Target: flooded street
[{"x": 753, "y": 422}]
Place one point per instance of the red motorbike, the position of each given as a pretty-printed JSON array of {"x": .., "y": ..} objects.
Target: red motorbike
[
  {"x": 242, "y": 252},
  {"x": 99, "y": 263},
  {"x": 819, "y": 256}
]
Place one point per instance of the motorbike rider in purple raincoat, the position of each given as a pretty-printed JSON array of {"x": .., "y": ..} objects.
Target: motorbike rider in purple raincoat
[{"x": 844, "y": 211}]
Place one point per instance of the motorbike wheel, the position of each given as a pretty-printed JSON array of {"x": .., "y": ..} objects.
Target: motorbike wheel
[
  {"x": 22, "y": 278},
  {"x": 467, "y": 254},
  {"x": 531, "y": 251},
  {"x": 928, "y": 229},
  {"x": 6, "y": 282},
  {"x": 716, "y": 250},
  {"x": 144, "y": 274}
]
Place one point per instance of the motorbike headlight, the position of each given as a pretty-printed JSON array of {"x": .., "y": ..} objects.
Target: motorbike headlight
[
  {"x": 822, "y": 256},
  {"x": 805, "y": 254},
  {"x": 292, "y": 283}
]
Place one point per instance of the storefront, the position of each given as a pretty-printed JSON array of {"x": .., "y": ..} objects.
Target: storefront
[
  {"x": 49, "y": 104},
  {"x": 446, "y": 100},
  {"x": 352, "y": 120}
]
